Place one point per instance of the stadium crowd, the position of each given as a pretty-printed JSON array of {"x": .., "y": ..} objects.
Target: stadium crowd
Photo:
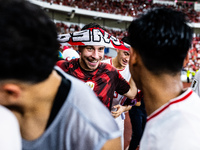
[
  {"x": 127, "y": 7},
  {"x": 194, "y": 53},
  {"x": 133, "y": 8}
]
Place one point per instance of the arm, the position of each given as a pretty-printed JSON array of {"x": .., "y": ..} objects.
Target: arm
[
  {"x": 120, "y": 110},
  {"x": 126, "y": 106},
  {"x": 132, "y": 91},
  {"x": 114, "y": 144}
]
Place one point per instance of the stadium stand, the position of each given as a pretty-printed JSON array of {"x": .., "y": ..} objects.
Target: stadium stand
[{"x": 134, "y": 8}]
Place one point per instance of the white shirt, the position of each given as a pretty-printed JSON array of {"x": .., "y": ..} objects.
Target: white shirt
[
  {"x": 175, "y": 125},
  {"x": 117, "y": 98},
  {"x": 10, "y": 138},
  {"x": 126, "y": 75},
  {"x": 82, "y": 123}
]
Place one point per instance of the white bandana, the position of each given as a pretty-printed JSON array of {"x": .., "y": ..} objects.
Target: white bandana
[{"x": 92, "y": 36}]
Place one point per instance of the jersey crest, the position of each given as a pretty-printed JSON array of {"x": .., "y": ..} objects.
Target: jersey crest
[{"x": 90, "y": 84}]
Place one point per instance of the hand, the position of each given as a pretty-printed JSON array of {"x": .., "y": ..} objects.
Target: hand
[{"x": 120, "y": 110}]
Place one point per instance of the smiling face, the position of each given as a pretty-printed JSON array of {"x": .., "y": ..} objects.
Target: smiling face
[
  {"x": 91, "y": 56},
  {"x": 123, "y": 57}
]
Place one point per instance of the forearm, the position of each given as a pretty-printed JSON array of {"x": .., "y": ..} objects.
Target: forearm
[
  {"x": 132, "y": 91},
  {"x": 127, "y": 108},
  {"x": 120, "y": 110}
]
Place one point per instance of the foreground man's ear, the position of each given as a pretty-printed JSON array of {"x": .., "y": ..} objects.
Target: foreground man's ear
[
  {"x": 12, "y": 91},
  {"x": 186, "y": 60},
  {"x": 133, "y": 56}
]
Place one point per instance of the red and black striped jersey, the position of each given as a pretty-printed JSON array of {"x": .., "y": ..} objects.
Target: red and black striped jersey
[{"x": 104, "y": 80}]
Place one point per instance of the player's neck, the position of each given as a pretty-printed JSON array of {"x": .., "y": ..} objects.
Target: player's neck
[
  {"x": 37, "y": 107},
  {"x": 158, "y": 91},
  {"x": 116, "y": 64}
]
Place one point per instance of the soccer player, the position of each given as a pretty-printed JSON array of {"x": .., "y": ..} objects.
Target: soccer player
[
  {"x": 120, "y": 62},
  {"x": 55, "y": 111},
  {"x": 160, "y": 40}
]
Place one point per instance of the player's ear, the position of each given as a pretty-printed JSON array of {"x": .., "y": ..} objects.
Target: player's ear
[
  {"x": 12, "y": 91},
  {"x": 133, "y": 56}
]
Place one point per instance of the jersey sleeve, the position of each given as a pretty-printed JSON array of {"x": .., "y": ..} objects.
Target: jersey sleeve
[
  {"x": 122, "y": 85},
  {"x": 63, "y": 64},
  {"x": 60, "y": 63}
]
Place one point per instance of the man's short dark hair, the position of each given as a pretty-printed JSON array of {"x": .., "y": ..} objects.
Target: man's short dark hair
[
  {"x": 162, "y": 37},
  {"x": 92, "y": 25},
  {"x": 28, "y": 42},
  {"x": 126, "y": 40}
]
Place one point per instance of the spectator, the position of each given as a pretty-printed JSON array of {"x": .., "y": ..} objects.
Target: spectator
[
  {"x": 120, "y": 62},
  {"x": 55, "y": 111},
  {"x": 103, "y": 78},
  {"x": 160, "y": 40}
]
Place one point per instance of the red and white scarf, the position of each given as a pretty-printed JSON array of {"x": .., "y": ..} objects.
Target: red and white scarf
[{"x": 92, "y": 36}]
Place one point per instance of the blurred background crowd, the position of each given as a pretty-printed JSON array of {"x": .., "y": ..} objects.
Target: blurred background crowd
[{"x": 133, "y": 8}]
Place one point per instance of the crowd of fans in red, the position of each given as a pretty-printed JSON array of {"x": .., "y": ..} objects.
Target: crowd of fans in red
[
  {"x": 127, "y": 7},
  {"x": 123, "y": 7},
  {"x": 194, "y": 55},
  {"x": 131, "y": 8}
]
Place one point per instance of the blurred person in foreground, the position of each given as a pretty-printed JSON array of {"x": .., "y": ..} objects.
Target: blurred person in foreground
[
  {"x": 160, "y": 40},
  {"x": 10, "y": 138},
  {"x": 55, "y": 110}
]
